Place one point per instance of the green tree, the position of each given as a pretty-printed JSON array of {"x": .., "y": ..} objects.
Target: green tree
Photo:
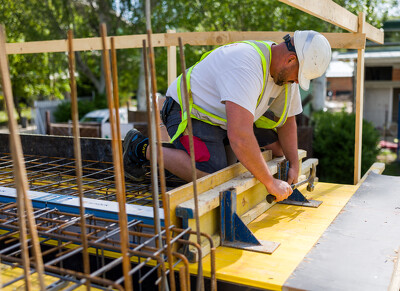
[
  {"x": 45, "y": 75},
  {"x": 333, "y": 145}
]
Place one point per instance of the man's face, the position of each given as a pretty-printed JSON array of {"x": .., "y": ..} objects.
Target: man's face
[{"x": 288, "y": 73}]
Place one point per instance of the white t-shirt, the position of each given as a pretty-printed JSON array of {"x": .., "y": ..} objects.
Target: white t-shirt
[{"x": 234, "y": 73}]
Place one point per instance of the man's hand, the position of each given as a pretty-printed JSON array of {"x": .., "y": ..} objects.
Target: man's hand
[
  {"x": 280, "y": 189},
  {"x": 288, "y": 139},
  {"x": 293, "y": 176}
]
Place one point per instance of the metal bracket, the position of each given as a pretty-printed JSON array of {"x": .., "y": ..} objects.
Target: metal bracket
[
  {"x": 234, "y": 233},
  {"x": 297, "y": 198}
]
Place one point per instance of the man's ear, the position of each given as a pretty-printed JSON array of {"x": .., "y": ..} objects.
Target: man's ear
[{"x": 291, "y": 59}]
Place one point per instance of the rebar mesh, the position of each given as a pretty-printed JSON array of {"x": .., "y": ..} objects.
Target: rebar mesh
[
  {"x": 57, "y": 176},
  {"x": 61, "y": 249}
]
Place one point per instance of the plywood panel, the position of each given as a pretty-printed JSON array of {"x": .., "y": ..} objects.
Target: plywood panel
[{"x": 296, "y": 228}]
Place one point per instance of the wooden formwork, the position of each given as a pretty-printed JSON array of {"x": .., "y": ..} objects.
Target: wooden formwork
[
  {"x": 326, "y": 10},
  {"x": 251, "y": 193}
]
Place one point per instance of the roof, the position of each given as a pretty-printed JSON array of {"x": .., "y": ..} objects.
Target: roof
[
  {"x": 391, "y": 25},
  {"x": 340, "y": 69},
  {"x": 371, "y": 55}
]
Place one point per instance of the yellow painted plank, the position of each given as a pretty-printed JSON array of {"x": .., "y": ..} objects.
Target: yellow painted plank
[{"x": 296, "y": 228}]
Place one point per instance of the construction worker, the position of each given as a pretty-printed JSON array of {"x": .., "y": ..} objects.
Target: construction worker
[{"x": 233, "y": 91}]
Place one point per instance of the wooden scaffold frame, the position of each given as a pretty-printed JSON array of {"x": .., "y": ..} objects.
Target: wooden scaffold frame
[{"x": 326, "y": 10}]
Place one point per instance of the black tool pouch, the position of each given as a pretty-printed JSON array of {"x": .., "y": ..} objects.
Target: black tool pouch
[{"x": 166, "y": 109}]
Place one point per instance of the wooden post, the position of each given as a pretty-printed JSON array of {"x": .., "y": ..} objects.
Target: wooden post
[
  {"x": 48, "y": 123},
  {"x": 359, "y": 103},
  {"x": 171, "y": 61}
]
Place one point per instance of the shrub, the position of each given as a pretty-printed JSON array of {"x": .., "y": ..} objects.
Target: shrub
[
  {"x": 333, "y": 145},
  {"x": 63, "y": 111}
]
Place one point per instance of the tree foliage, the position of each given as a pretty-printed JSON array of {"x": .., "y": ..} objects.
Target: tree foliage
[
  {"x": 333, "y": 145},
  {"x": 39, "y": 76}
]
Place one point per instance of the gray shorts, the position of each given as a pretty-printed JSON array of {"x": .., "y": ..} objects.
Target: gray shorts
[{"x": 209, "y": 140}]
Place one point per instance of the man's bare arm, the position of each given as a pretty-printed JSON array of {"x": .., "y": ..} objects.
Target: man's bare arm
[
  {"x": 245, "y": 145},
  {"x": 288, "y": 139}
]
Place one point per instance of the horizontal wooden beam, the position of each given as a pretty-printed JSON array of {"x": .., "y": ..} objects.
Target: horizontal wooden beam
[
  {"x": 185, "y": 192},
  {"x": 337, "y": 40},
  {"x": 377, "y": 168},
  {"x": 250, "y": 196},
  {"x": 209, "y": 200},
  {"x": 334, "y": 13}
]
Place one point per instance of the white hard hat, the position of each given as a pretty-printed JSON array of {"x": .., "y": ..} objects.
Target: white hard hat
[{"x": 314, "y": 54}]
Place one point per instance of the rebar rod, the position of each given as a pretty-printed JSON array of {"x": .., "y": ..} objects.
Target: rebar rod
[
  {"x": 111, "y": 233},
  {"x": 97, "y": 182},
  {"x": 19, "y": 166},
  {"x": 69, "y": 272},
  {"x": 141, "y": 250},
  {"x": 192, "y": 155},
  {"x": 160, "y": 156},
  {"x": 78, "y": 154},
  {"x": 185, "y": 274},
  {"x": 151, "y": 121},
  {"x": 117, "y": 158},
  {"x": 68, "y": 180},
  {"x": 36, "y": 213}
]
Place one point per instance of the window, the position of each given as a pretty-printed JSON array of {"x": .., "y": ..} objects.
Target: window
[{"x": 378, "y": 73}]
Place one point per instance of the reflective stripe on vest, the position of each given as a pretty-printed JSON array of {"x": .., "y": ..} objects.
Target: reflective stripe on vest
[{"x": 199, "y": 113}]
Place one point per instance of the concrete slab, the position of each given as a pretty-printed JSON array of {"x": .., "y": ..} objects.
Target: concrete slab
[{"x": 357, "y": 250}]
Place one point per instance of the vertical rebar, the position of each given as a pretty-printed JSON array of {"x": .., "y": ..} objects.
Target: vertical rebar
[
  {"x": 116, "y": 96},
  {"x": 192, "y": 155},
  {"x": 78, "y": 155},
  {"x": 160, "y": 156},
  {"x": 19, "y": 168},
  {"x": 182, "y": 278},
  {"x": 153, "y": 160},
  {"x": 118, "y": 168}
]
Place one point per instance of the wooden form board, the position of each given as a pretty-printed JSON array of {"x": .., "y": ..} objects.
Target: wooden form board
[
  {"x": 337, "y": 40},
  {"x": 296, "y": 228},
  {"x": 250, "y": 202},
  {"x": 185, "y": 192},
  {"x": 334, "y": 13}
]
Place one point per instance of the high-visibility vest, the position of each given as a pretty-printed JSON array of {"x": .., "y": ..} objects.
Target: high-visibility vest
[{"x": 199, "y": 113}]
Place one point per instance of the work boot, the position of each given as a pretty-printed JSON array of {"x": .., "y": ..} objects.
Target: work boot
[{"x": 134, "y": 155}]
